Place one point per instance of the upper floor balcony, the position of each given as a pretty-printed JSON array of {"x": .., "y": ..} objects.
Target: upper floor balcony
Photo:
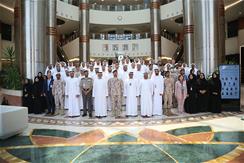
[{"x": 118, "y": 7}]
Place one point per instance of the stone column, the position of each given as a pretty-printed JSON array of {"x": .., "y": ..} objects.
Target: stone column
[
  {"x": 0, "y": 47},
  {"x": 51, "y": 32},
  {"x": 222, "y": 33},
  {"x": 30, "y": 36},
  {"x": 188, "y": 31},
  {"x": 241, "y": 32},
  {"x": 207, "y": 32},
  {"x": 155, "y": 30},
  {"x": 18, "y": 27},
  {"x": 84, "y": 55}
]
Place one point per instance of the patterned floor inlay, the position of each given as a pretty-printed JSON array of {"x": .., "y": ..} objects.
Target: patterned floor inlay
[
  {"x": 137, "y": 121},
  {"x": 187, "y": 145}
]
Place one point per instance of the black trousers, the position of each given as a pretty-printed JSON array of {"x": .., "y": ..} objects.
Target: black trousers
[
  {"x": 87, "y": 102},
  {"x": 50, "y": 102}
]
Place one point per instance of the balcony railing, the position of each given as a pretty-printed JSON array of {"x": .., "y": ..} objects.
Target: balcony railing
[
  {"x": 136, "y": 36},
  {"x": 116, "y": 7},
  {"x": 122, "y": 7},
  {"x": 103, "y": 36}
]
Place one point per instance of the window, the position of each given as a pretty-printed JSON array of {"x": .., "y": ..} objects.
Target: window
[
  {"x": 135, "y": 47},
  {"x": 125, "y": 47},
  {"x": 6, "y": 32},
  {"x": 115, "y": 47},
  {"x": 232, "y": 29},
  {"x": 105, "y": 47}
]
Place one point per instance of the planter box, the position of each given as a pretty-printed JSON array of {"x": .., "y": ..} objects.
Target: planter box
[
  {"x": 14, "y": 120},
  {"x": 14, "y": 97}
]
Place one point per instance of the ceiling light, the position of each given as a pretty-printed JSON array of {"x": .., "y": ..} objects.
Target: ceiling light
[
  {"x": 232, "y": 4},
  {"x": 6, "y": 7}
]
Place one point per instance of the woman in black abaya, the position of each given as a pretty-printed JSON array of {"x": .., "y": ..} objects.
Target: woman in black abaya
[
  {"x": 191, "y": 100},
  {"x": 215, "y": 94},
  {"x": 36, "y": 91},
  {"x": 202, "y": 93},
  {"x": 43, "y": 99},
  {"x": 27, "y": 95}
]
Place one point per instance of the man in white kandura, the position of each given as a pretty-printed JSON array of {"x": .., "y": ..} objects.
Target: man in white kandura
[
  {"x": 100, "y": 93},
  {"x": 158, "y": 89},
  {"x": 131, "y": 93},
  {"x": 146, "y": 93},
  {"x": 108, "y": 76},
  {"x": 72, "y": 92}
]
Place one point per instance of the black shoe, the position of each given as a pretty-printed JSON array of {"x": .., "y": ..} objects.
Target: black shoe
[
  {"x": 90, "y": 115},
  {"x": 84, "y": 115}
]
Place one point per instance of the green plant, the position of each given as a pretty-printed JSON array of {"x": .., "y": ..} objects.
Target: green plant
[
  {"x": 11, "y": 76},
  {"x": 9, "y": 53}
]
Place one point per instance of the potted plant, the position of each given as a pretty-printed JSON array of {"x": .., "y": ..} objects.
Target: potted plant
[{"x": 11, "y": 87}]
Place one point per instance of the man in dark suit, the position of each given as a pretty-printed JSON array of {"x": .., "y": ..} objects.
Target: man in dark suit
[{"x": 47, "y": 90}]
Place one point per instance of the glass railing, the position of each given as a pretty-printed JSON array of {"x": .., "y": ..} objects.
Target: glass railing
[
  {"x": 136, "y": 36},
  {"x": 102, "y": 36},
  {"x": 170, "y": 36},
  {"x": 116, "y": 7},
  {"x": 122, "y": 7},
  {"x": 72, "y": 2},
  {"x": 163, "y": 2}
]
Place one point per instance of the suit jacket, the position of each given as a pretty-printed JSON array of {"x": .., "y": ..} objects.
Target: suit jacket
[{"x": 45, "y": 86}]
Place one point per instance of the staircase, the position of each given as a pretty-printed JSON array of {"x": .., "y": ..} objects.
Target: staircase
[
  {"x": 61, "y": 56},
  {"x": 178, "y": 55}
]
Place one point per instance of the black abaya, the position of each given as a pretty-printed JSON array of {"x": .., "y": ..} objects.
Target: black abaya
[
  {"x": 191, "y": 100},
  {"x": 215, "y": 95},
  {"x": 37, "y": 104},
  {"x": 27, "y": 97},
  {"x": 202, "y": 98}
]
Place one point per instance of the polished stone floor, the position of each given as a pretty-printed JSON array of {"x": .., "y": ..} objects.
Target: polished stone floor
[{"x": 215, "y": 138}]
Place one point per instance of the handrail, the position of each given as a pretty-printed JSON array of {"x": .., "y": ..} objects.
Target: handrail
[
  {"x": 121, "y": 7},
  {"x": 118, "y": 7},
  {"x": 61, "y": 53},
  {"x": 178, "y": 53},
  {"x": 104, "y": 36}
]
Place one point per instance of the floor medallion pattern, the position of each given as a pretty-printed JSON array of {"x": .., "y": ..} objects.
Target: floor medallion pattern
[
  {"x": 181, "y": 145},
  {"x": 138, "y": 121}
]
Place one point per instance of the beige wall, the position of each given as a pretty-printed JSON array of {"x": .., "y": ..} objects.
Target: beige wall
[
  {"x": 231, "y": 46},
  {"x": 241, "y": 37},
  {"x": 167, "y": 11},
  {"x": 144, "y": 48},
  {"x": 120, "y": 17},
  {"x": 72, "y": 49},
  {"x": 167, "y": 47}
]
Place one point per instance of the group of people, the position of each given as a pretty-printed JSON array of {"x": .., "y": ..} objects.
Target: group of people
[{"x": 143, "y": 87}]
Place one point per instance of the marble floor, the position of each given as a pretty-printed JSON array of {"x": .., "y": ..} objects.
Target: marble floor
[{"x": 212, "y": 138}]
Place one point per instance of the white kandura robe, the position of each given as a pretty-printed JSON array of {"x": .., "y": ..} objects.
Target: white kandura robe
[
  {"x": 124, "y": 76},
  {"x": 158, "y": 88},
  {"x": 100, "y": 93},
  {"x": 66, "y": 99},
  {"x": 131, "y": 91},
  {"x": 107, "y": 77},
  {"x": 72, "y": 89},
  {"x": 146, "y": 92},
  {"x": 81, "y": 98}
]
